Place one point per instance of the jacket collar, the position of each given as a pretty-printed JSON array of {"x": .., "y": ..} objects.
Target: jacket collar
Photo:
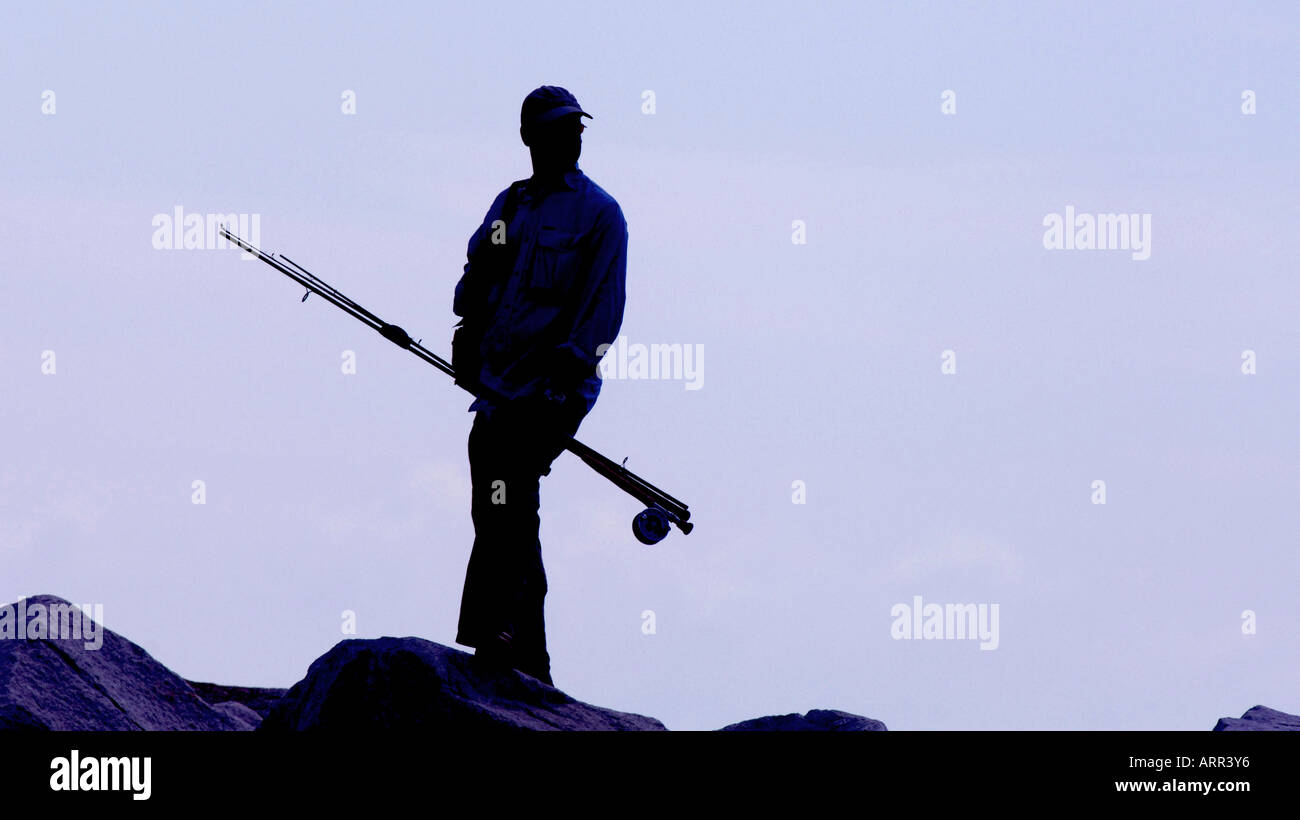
[{"x": 568, "y": 180}]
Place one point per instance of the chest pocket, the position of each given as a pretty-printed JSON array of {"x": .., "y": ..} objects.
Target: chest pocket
[{"x": 557, "y": 264}]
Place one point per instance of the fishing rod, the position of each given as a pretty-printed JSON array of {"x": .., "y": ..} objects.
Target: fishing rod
[{"x": 650, "y": 526}]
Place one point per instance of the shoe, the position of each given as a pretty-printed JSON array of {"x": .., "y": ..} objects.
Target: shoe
[{"x": 541, "y": 674}]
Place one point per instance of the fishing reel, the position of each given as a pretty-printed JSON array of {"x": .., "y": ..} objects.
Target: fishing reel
[{"x": 653, "y": 524}]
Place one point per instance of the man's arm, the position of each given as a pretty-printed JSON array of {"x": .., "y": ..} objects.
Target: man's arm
[
  {"x": 471, "y": 303},
  {"x": 599, "y": 313},
  {"x": 471, "y": 290}
]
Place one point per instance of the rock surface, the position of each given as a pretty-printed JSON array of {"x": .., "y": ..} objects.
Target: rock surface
[
  {"x": 411, "y": 683},
  {"x": 817, "y": 720},
  {"x": 257, "y": 700},
  {"x": 1260, "y": 719},
  {"x": 64, "y": 684},
  {"x": 57, "y": 683}
]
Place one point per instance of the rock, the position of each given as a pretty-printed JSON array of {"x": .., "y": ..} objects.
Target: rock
[
  {"x": 817, "y": 720},
  {"x": 99, "y": 681},
  {"x": 241, "y": 714},
  {"x": 61, "y": 684},
  {"x": 257, "y": 699},
  {"x": 411, "y": 683},
  {"x": 1260, "y": 719}
]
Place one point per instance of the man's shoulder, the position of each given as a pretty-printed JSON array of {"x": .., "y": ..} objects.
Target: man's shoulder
[
  {"x": 498, "y": 203},
  {"x": 600, "y": 199}
]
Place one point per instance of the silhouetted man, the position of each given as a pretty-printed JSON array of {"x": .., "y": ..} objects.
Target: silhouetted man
[{"x": 543, "y": 288}]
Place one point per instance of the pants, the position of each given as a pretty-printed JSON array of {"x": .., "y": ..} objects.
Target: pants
[{"x": 510, "y": 449}]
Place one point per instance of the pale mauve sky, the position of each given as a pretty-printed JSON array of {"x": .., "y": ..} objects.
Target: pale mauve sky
[{"x": 329, "y": 492}]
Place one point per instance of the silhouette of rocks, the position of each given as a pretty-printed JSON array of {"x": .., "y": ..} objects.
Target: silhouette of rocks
[
  {"x": 817, "y": 720},
  {"x": 58, "y": 683},
  {"x": 411, "y": 683},
  {"x": 1260, "y": 719}
]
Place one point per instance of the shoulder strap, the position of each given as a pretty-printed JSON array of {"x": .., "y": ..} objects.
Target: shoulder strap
[
  {"x": 497, "y": 261},
  {"x": 511, "y": 204},
  {"x": 511, "y": 248}
]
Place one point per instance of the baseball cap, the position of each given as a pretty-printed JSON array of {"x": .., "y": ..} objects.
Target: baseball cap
[{"x": 547, "y": 102}]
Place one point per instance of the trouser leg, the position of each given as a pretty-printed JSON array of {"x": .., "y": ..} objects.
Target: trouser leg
[
  {"x": 492, "y": 575},
  {"x": 505, "y": 583}
]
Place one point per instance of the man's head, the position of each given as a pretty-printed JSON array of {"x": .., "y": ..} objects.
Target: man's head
[{"x": 550, "y": 124}]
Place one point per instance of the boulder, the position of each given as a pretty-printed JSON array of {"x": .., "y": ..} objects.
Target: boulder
[
  {"x": 69, "y": 684},
  {"x": 258, "y": 700},
  {"x": 73, "y": 683},
  {"x": 410, "y": 683},
  {"x": 1260, "y": 719},
  {"x": 816, "y": 720}
]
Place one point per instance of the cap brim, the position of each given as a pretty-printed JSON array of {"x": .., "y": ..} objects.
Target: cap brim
[{"x": 560, "y": 112}]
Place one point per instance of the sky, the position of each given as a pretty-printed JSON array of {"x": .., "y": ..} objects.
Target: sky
[{"x": 840, "y": 209}]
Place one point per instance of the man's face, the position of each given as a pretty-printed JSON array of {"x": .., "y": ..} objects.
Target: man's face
[{"x": 558, "y": 143}]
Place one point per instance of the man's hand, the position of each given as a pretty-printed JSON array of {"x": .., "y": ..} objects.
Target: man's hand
[{"x": 566, "y": 372}]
